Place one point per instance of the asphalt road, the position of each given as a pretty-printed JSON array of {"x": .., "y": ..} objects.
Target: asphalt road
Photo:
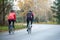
[{"x": 39, "y": 32}]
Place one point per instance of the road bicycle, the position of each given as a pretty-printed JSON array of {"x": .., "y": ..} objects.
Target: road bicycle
[
  {"x": 11, "y": 29},
  {"x": 29, "y": 28}
]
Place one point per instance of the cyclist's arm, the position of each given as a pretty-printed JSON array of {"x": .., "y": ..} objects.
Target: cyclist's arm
[
  {"x": 32, "y": 15},
  {"x": 15, "y": 17}
]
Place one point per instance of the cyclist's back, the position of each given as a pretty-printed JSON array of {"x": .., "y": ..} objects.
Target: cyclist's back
[{"x": 30, "y": 17}]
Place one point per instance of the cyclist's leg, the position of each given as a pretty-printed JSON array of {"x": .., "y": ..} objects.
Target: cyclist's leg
[
  {"x": 31, "y": 22},
  {"x": 27, "y": 22},
  {"x": 13, "y": 27},
  {"x": 9, "y": 22},
  {"x": 13, "y": 24}
]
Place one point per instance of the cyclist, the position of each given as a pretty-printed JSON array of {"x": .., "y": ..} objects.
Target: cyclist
[
  {"x": 30, "y": 17},
  {"x": 11, "y": 19}
]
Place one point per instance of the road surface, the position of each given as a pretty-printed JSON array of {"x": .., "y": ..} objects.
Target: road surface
[{"x": 39, "y": 32}]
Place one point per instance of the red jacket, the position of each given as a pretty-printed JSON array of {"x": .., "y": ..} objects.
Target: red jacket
[{"x": 12, "y": 16}]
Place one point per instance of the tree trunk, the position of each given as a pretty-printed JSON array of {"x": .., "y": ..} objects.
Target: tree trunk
[{"x": 2, "y": 19}]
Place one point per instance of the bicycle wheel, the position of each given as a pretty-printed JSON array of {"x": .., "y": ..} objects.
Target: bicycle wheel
[
  {"x": 11, "y": 30},
  {"x": 29, "y": 31},
  {"x": 29, "y": 28}
]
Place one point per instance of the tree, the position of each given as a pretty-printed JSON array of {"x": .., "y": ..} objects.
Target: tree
[
  {"x": 4, "y": 9},
  {"x": 25, "y": 7},
  {"x": 56, "y": 9}
]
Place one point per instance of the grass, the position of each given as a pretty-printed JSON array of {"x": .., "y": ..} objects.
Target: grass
[
  {"x": 51, "y": 22},
  {"x": 5, "y": 28},
  {"x": 21, "y": 26},
  {"x": 46, "y": 23}
]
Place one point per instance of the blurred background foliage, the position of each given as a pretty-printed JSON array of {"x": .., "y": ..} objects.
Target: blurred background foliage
[{"x": 43, "y": 12}]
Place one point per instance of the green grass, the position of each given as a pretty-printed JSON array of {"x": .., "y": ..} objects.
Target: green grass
[
  {"x": 51, "y": 22},
  {"x": 20, "y": 26},
  {"x": 5, "y": 28},
  {"x": 47, "y": 23}
]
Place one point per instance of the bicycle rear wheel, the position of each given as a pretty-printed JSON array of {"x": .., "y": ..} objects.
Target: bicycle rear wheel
[
  {"x": 11, "y": 29},
  {"x": 29, "y": 31}
]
